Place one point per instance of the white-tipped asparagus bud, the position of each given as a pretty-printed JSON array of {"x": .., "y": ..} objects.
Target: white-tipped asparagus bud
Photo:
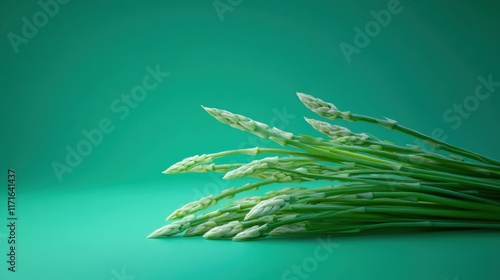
[
  {"x": 224, "y": 231},
  {"x": 201, "y": 228},
  {"x": 268, "y": 206},
  {"x": 355, "y": 139},
  {"x": 339, "y": 134},
  {"x": 167, "y": 230},
  {"x": 278, "y": 176},
  {"x": 172, "y": 228},
  {"x": 239, "y": 122},
  {"x": 293, "y": 228},
  {"x": 193, "y": 207},
  {"x": 267, "y": 219},
  {"x": 212, "y": 214},
  {"x": 332, "y": 131},
  {"x": 246, "y": 200},
  {"x": 249, "y": 169},
  {"x": 246, "y": 124},
  {"x": 250, "y": 233},
  {"x": 322, "y": 108},
  {"x": 262, "y": 168},
  {"x": 189, "y": 164}
]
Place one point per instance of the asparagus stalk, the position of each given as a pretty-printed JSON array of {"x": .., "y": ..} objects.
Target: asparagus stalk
[
  {"x": 379, "y": 184},
  {"x": 330, "y": 111}
]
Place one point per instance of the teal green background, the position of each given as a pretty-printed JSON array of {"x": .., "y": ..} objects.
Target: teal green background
[{"x": 93, "y": 222}]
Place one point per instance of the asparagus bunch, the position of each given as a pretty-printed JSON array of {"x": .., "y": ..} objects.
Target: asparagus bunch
[{"x": 370, "y": 183}]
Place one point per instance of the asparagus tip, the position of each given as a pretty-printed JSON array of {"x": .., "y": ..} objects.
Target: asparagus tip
[
  {"x": 156, "y": 233},
  {"x": 172, "y": 216}
]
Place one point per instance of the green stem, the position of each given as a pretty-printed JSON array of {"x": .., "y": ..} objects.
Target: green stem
[{"x": 435, "y": 143}]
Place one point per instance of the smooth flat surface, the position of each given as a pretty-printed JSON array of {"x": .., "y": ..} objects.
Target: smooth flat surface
[
  {"x": 83, "y": 71},
  {"x": 96, "y": 232}
]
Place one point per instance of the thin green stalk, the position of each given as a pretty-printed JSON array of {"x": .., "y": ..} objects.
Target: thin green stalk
[{"x": 314, "y": 103}]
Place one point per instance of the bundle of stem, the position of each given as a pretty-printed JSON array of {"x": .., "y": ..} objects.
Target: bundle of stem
[{"x": 371, "y": 183}]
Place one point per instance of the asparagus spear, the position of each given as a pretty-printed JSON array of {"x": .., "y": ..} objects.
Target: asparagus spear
[{"x": 378, "y": 184}]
